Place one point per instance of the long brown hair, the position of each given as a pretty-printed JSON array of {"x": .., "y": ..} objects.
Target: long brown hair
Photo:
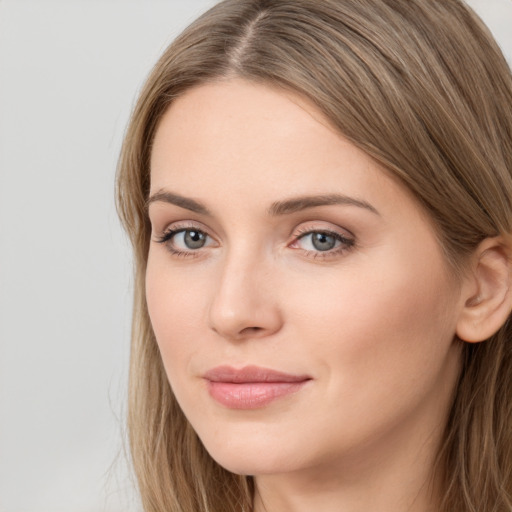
[{"x": 420, "y": 86}]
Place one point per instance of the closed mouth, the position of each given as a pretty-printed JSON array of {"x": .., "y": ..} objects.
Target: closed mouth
[{"x": 251, "y": 387}]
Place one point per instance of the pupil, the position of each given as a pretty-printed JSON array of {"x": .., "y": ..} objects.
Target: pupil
[
  {"x": 323, "y": 242},
  {"x": 194, "y": 239}
]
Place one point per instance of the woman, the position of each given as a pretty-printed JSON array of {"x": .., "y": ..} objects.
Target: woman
[{"x": 319, "y": 199}]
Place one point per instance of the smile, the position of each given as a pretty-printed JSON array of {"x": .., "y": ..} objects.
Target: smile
[{"x": 251, "y": 387}]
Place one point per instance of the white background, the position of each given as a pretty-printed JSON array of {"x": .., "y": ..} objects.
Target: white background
[{"x": 69, "y": 74}]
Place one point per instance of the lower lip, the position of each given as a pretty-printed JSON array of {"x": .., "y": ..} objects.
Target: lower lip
[{"x": 251, "y": 395}]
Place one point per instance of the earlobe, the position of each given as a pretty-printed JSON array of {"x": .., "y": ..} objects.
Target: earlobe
[{"x": 489, "y": 297}]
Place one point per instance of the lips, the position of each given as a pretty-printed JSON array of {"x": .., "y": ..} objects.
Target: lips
[{"x": 251, "y": 387}]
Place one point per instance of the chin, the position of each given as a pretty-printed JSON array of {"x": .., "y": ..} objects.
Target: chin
[
  {"x": 250, "y": 457},
  {"x": 253, "y": 466}
]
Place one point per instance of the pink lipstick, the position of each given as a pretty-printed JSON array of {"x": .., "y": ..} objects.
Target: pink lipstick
[{"x": 251, "y": 387}]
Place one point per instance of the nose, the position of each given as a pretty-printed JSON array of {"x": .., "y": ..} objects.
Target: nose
[{"x": 244, "y": 303}]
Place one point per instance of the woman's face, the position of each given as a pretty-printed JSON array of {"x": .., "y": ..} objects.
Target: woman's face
[{"x": 301, "y": 303}]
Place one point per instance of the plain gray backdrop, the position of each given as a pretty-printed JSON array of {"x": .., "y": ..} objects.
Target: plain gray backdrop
[{"x": 69, "y": 74}]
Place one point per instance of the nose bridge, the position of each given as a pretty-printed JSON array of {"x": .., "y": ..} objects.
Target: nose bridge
[{"x": 243, "y": 303}]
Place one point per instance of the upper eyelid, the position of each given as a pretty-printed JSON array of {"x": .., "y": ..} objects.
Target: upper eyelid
[
  {"x": 175, "y": 230},
  {"x": 305, "y": 228},
  {"x": 184, "y": 225},
  {"x": 322, "y": 230}
]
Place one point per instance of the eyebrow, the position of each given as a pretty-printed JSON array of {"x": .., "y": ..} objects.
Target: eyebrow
[
  {"x": 277, "y": 208},
  {"x": 304, "y": 202},
  {"x": 176, "y": 199}
]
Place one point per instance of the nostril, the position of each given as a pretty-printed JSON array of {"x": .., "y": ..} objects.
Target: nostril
[{"x": 251, "y": 330}]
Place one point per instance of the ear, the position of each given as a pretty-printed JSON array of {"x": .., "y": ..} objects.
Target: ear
[{"x": 488, "y": 300}]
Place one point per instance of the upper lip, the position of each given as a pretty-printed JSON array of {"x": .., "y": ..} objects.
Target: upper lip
[{"x": 249, "y": 374}]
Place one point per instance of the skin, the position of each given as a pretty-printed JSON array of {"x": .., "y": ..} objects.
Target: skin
[{"x": 371, "y": 322}]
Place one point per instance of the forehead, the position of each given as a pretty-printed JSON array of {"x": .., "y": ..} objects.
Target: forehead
[
  {"x": 242, "y": 115},
  {"x": 245, "y": 135}
]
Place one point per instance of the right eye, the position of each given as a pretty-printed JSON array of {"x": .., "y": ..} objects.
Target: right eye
[{"x": 183, "y": 241}]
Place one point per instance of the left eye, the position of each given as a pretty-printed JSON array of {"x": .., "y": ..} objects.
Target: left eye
[
  {"x": 190, "y": 239},
  {"x": 320, "y": 241}
]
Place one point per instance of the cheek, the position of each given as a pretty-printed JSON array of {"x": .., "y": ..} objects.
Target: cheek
[
  {"x": 175, "y": 305},
  {"x": 381, "y": 347},
  {"x": 392, "y": 326}
]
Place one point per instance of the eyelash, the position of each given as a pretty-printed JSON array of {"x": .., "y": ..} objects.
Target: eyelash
[
  {"x": 345, "y": 243},
  {"x": 168, "y": 235}
]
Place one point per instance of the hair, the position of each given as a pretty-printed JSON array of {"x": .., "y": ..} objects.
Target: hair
[{"x": 423, "y": 89}]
